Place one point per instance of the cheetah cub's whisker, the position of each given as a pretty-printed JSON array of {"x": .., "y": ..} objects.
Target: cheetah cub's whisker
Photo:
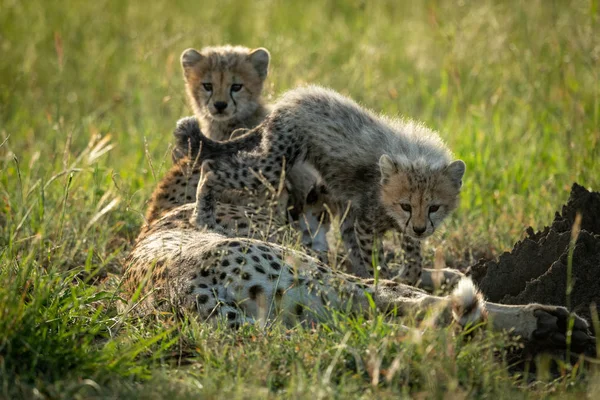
[{"x": 394, "y": 174}]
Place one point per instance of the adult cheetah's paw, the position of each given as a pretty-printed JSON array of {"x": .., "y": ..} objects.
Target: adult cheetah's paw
[
  {"x": 552, "y": 327},
  {"x": 542, "y": 325}
]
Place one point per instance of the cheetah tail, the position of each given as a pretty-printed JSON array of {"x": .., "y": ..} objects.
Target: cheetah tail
[
  {"x": 468, "y": 306},
  {"x": 189, "y": 138}
]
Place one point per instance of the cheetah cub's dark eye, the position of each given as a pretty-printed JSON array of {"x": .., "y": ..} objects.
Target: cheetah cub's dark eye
[
  {"x": 236, "y": 87},
  {"x": 406, "y": 207},
  {"x": 434, "y": 208},
  {"x": 207, "y": 87}
]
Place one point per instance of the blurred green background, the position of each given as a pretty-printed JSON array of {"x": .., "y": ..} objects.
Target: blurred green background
[{"x": 513, "y": 87}]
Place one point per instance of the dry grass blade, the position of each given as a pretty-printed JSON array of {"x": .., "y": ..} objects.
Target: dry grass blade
[
  {"x": 340, "y": 348},
  {"x": 438, "y": 266},
  {"x": 102, "y": 147},
  {"x": 4, "y": 141},
  {"x": 102, "y": 212}
]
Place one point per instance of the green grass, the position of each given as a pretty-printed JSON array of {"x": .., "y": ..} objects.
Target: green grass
[{"x": 513, "y": 87}]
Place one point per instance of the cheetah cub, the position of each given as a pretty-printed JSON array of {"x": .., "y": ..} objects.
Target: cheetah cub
[
  {"x": 385, "y": 173},
  {"x": 224, "y": 87}
]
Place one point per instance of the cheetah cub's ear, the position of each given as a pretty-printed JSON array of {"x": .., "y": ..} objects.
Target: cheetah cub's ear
[
  {"x": 189, "y": 59},
  {"x": 260, "y": 61},
  {"x": 455, "y": 171},
  {"x": 388, "y": 167}
]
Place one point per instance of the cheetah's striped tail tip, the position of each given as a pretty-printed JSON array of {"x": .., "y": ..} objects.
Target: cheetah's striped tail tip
[{"x": 468, "y": 306}]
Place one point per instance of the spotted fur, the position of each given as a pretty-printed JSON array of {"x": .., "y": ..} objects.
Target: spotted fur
[
  {"x": 224, "y": 86},
  {"x": 175, "y": 266},
  {"x": 381, "y": 173},
  {"x": 247, "y": 280}
]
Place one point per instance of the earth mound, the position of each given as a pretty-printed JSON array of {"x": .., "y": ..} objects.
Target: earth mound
[{"x": 536, "y": 269}]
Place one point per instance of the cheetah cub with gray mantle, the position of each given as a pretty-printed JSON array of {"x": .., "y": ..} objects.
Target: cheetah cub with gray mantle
[
  {"x": 224, "y": 86},
  {"x": 382, "y": 173}
]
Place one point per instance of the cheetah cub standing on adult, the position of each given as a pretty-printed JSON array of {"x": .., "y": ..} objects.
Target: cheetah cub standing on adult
[
  {"x": 224, "y": 85},
  {"x": 388, "y": 173}
]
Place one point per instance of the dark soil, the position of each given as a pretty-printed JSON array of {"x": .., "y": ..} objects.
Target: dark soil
[{"x": 535, "y": 271}]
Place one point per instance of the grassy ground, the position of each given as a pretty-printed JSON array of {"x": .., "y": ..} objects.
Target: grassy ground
[{"x": 90, "y": 91}]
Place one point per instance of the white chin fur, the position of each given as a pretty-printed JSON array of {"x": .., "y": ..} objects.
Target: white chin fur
[
  {"x": 468, "y": 306},
  {"x": 221, "y": 117}
]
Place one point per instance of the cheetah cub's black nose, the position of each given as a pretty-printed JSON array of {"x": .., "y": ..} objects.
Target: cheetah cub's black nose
[
  {"x": 220, "y": 106},
  {"x": 419, "y": 230}
]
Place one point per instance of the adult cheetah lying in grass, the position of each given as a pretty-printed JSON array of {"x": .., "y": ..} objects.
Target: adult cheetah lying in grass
[{"x": 174, "y": 265}]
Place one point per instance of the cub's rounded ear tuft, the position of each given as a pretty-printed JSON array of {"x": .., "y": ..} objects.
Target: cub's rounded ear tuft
[
  {"x": 189, "y": 58},
  {"x": 455, "y": 171},
  {"x": 387, "y": 166},
  {"x": 260, "y": 60}
]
